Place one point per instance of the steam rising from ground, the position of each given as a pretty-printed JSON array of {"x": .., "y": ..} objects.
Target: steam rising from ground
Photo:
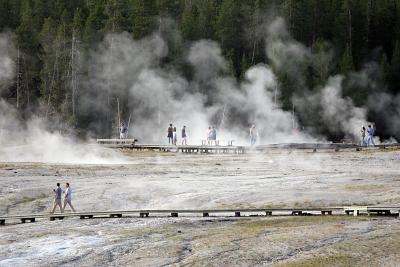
[
  {"x": 388, "y": 106},
  {"x": 6, "y": 62},
  {"x": 335, "y": 111},
  {"x": 155, "y": 94},
  {"x": 159, "y": 96},
  {"x": 30, "y": 141},
  {"x": 325, "y": 106},
  {"x": 285, "y": 53}
]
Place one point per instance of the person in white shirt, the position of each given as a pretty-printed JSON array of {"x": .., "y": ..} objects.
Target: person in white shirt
[
  {"x": 184, "y": 136},
  {"x": 123, "y": 131},
  {"x": 253, "y": 135},
  {"x": 68, "y": 197},
  {"x": 174, "y": 137}
]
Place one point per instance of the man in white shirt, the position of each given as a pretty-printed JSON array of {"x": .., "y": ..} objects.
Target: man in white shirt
[
  {"x": 68, "y": 197},
  {"x": 253, "y": 135}
]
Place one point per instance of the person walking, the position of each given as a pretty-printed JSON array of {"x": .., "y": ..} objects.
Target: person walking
[
  {"x": 170, "y": 134},
  {"x": 253, "y": 135},
  {"x": 68, "y": 197},
  {"x": 184, "y": 136},
  {"x": 370, "y": 138},
  {"x": 57, "y": 199}
]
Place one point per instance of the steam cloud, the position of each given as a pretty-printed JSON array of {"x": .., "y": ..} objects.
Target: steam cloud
[
  {"x": 159, "y": 96},
  {"x": 30, "y": 141},
  {"x": 6, "y": 62},
  {"x": 156, "y": 94},
  {"x": 388, "y": 106},
  {"x": 337, "y": 113},
  {"x": 326, "y": 106}
]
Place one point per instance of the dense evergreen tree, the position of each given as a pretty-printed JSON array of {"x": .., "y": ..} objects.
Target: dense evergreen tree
[
  {"x": 94, "y": 22},
  {"x": 207, "y": 19},
  {"x": 346, "y": 62},
  {"x": 394, "y": 71},
  {"x": 117, "y": 16},
  {"x": 322, "y": 64},
  {"x": 170, "y": 8},
  {"x": 230, "y": 31},
  {"x": 29, "y": 63},
  {"x": 53, "y": 39},
  {"x": 143, "y": 17},
  {"x": 9, "y": 10},
  {"x": 189, "y": 24}
]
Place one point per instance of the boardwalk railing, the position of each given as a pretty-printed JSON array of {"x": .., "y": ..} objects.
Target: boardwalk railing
[
  {"x": 352, "y": 210},
  {"x": 111, "y": 142},
  {"x": 131, "y": 144}
]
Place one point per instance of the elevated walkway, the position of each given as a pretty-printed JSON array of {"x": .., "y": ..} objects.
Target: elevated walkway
[
  {"x": 221, "y": 149},
  {"x": 351, "y": 210}
]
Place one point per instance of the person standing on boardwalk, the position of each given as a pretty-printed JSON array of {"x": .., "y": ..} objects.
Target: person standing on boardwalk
[
  {"x": 57, "y": 198},
  {"x": 184, "y": 136},
  {"x": 123, "y": 131},
  {"x": 370, "y": 138},
  {"x": 209, "y": 136},
  {"x": 213, "y": 135},
  {"x": 174, "y": 136},
  {"x": 253, "y": 135},
  {"x": 170, "y": 134},
  {"x": 68, "y": 197},
  {"x": 362, "y": 141}
]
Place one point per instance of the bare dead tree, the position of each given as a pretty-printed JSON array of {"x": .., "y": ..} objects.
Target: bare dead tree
[
  {"x": 52, "y": 83},
  {"x": 27, "y": 92},
  {"x": 349, "y": 29},
  {"x": 18, "y": 79}
]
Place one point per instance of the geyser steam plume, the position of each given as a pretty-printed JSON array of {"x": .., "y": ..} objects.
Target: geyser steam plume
[
  {"x": 6, "y": 63},
  {"x": 154, "y": 93},
  {"x": 29, "y": 141},
  {"x": 159, "y": 95},
  {"x": 324, "y": 106}
]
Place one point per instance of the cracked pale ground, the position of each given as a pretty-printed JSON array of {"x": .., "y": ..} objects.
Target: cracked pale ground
[{"x": 162, "y": 181}]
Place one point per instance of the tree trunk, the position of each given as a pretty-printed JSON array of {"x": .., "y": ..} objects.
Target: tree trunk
[
  {"x": 18, "y": 79},
  {"x": 26, "y": 83},
  {"x": 73, "y": 73},
  {"x": 368, "y": 21},
  {"x": 52, "y": 82},
  {"x": 350, "y": 38}
]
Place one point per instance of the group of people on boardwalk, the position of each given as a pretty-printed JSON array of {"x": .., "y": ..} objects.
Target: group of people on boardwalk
[
  {"x": 211, "y": 135},
  {"x": 173, "y": 137},
  {"x": 367, "y": 136},
  {"x": 58, "y": 197}
]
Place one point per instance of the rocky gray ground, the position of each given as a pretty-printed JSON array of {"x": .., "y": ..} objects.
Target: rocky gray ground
[{"x": 161, "y": 181}]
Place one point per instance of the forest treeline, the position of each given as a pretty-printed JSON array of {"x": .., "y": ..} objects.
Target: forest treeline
[{"x": 52, "y": 37}]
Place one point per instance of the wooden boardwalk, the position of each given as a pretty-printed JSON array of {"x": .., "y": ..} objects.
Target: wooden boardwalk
[
  {"x": 351, "y": 210},
  {"x": 231, "y": 149},
  {"x": 191, "y": 149}
]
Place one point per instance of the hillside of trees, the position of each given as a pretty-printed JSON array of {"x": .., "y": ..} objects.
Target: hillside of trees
[{"x": 52, "y": 38}]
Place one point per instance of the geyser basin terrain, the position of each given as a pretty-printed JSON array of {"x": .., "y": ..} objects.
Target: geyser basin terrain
[{"x": 168, "y": 180}]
